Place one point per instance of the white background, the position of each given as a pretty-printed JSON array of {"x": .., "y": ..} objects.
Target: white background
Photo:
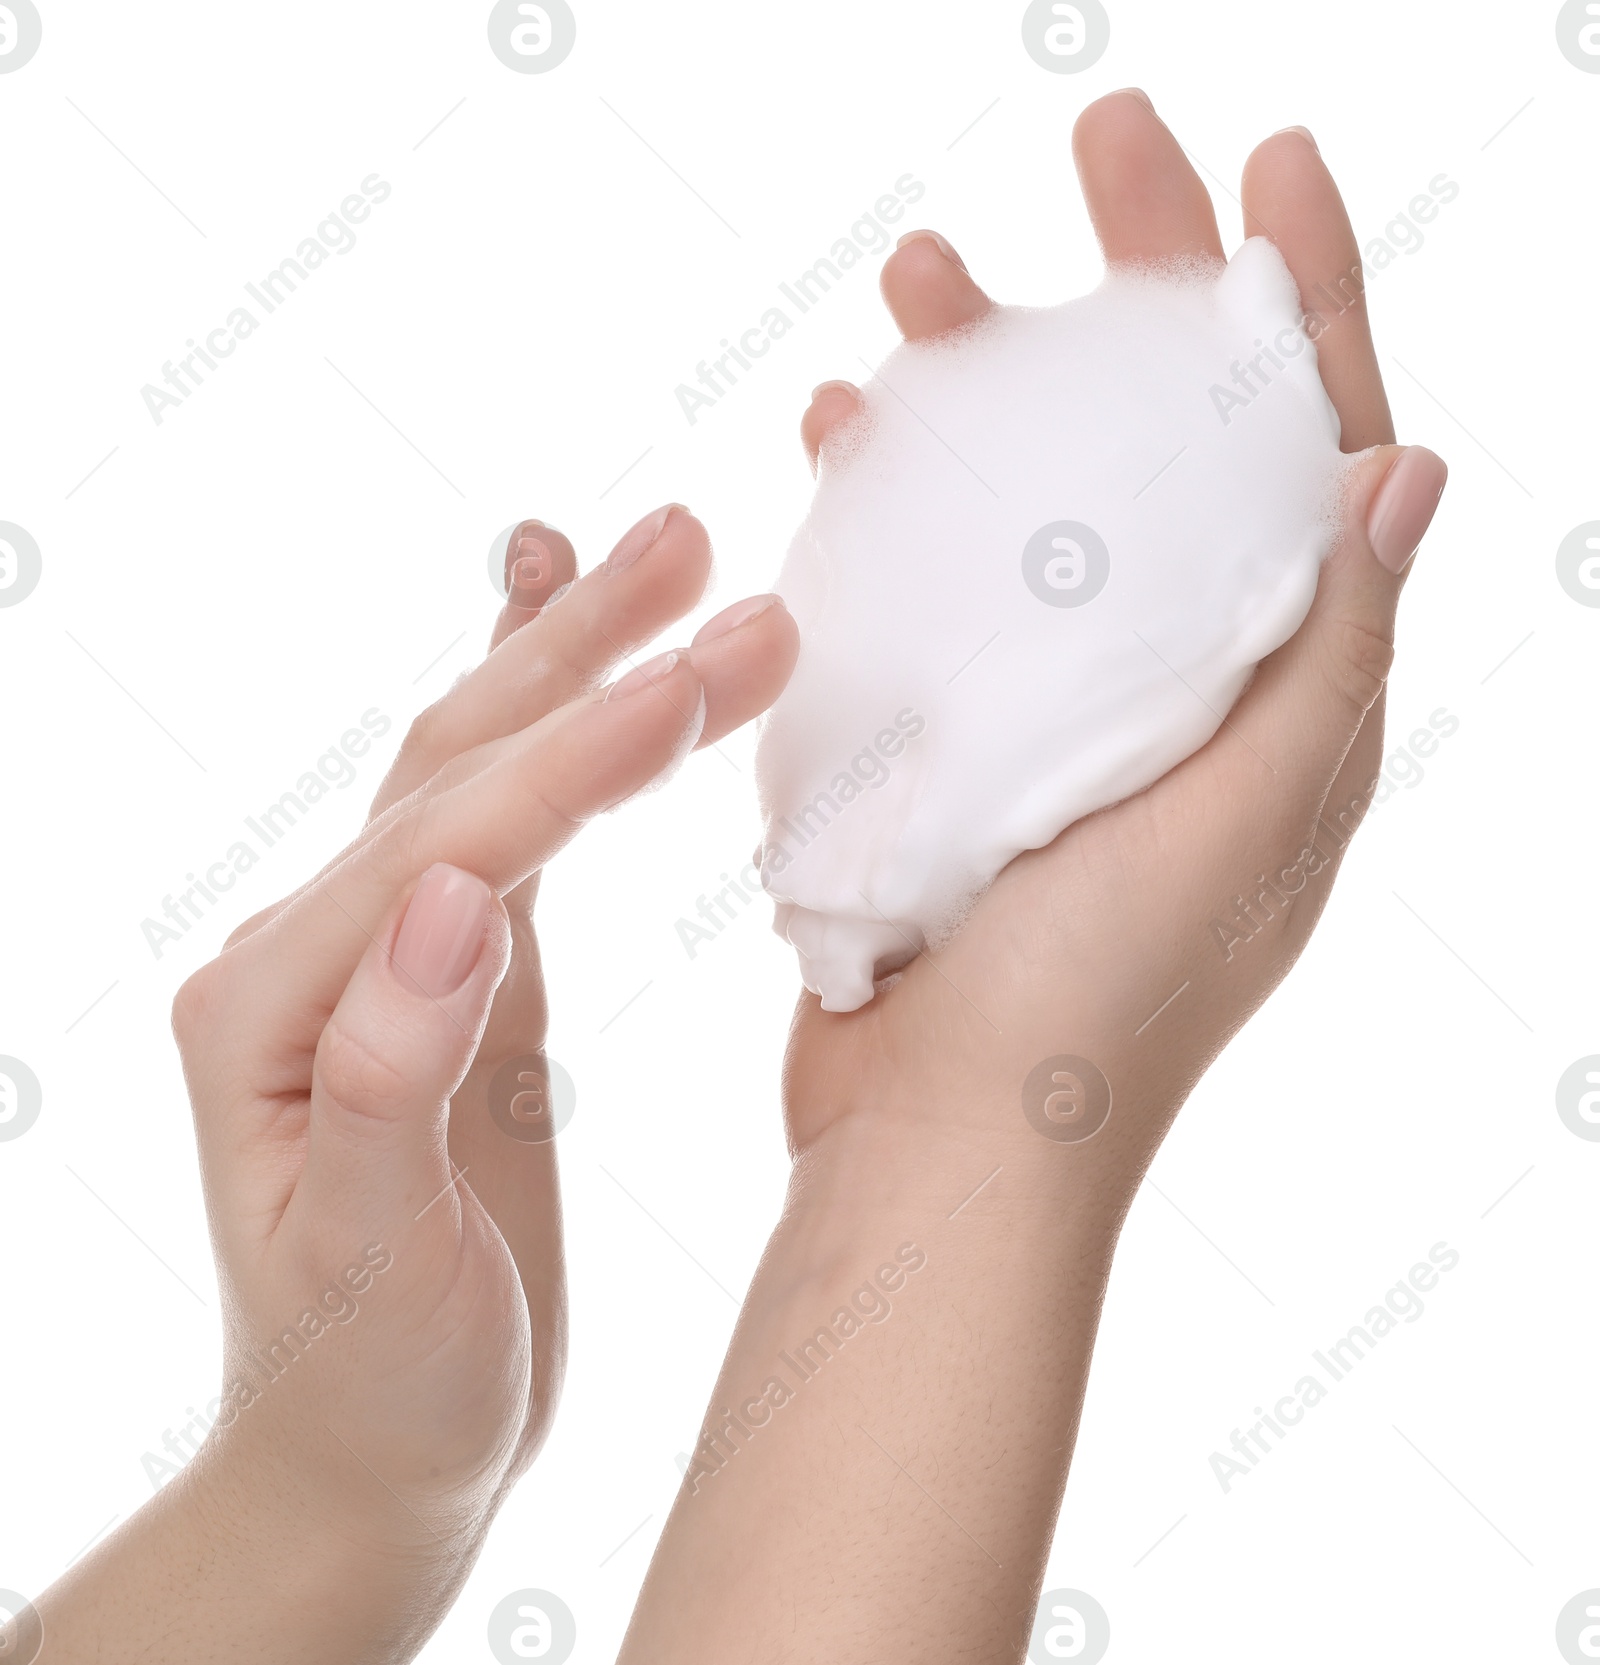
[{"x": 275, "y": 558}]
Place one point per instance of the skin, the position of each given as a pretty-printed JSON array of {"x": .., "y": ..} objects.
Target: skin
[
  {"x": 342, "y": 1109},
  {"x": 340, "y": 1501},
  {"x": 902, "y": 1502}
]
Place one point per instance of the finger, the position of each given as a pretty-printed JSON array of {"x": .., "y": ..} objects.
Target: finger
[
  {"x": 744, "y": 657},
  {"x": 539, "y": 562},
  {"x": 1290, "y": 196},
  {"x": 513, "y": 687},
  {"x": 656, "y": 573},
  {"x": 1310, "y": 699},
  {"x": 927, "y": 289},
  {"x": 832, "y": 405},
  {"x": 395, "y": 1048},
  {"x": 1255, "y": 801},
  {"x": 1144, "y": 199},
  {"x": 1350, "y": 794},
  {"x": 513, "y": 1177},
  {"x": 513, "y": 806}
]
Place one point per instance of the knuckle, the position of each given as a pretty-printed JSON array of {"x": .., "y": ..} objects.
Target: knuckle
[
  {"x": 579, "y": 665},
  {"x": 354, "y": 1076},
  {"x": 403, "y": 851},
  {"x": 250, "y": 926},
  {"x": 196, "y": 1005},
  {"x": 397, "y": 852},
  {"x": 422, "y": 732},
  {"x": 1357, "y": 664}
]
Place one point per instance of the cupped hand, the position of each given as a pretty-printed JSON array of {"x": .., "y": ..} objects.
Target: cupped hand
[
  {"x": 1192, "y": 899},
  {"x": 388, "y": 1238}
]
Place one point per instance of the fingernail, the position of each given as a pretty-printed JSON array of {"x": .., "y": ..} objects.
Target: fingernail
[
  {"x": 524, "y": 536},
  {"x": 532, "y": 539},
  {"x": 825, "y": 387},
  {"x": 637, "y": 539},
  {"x": 529, "y": 573},
  {"x": 1404, "y": 506},
  {"x": 1304, "y": 132},
  {"x": 441, "y": 936},
  {"x": 643, "y": 676},
  {"x": 730, "y": 618},
  {"x": 942, "y": 243},
  {"x": 1140, "y": 94}
]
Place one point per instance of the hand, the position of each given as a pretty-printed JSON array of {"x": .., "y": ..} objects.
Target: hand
[
  {"x": 389, "y": 1258},
  {"x": 1076, "y": 946},
  {"x": 910, "y": 1365}
]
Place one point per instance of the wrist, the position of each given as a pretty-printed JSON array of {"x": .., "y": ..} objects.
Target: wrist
[
  {"x": 231, "y": 1560},
  {"x": 920, "y": 1326},
  {"x": 1076, "y": 1094},
  {"x": 1006, "y": 1220},
  {"x": 359, "y": 1568},
  {"x": 1073, "y": 1161}
]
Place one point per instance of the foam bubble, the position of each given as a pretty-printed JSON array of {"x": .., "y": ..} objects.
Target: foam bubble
[{"x": 1039, "y": 568}]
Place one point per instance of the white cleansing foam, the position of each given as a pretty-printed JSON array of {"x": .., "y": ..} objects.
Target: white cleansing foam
[{"x": 1039, "y": 568}]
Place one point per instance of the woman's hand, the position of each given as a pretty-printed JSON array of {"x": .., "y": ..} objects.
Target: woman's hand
[
  {"x": 1210, "y": 882},
  {"x": 387, "y": 1238},
  {"x": 910, "y": 1365}
]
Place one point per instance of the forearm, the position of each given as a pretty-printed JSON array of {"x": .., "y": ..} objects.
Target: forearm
[
  {"x": 885, "y": 1453},
  {"x": 228, "y": 1562}
]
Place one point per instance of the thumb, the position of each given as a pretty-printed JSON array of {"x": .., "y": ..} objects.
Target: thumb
[
  {"x": 1310, "y": 697},
  {"x": 397, "y": 1046}
]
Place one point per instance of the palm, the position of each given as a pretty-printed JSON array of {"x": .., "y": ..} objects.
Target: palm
[{"x": 1107, "y": 922}]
